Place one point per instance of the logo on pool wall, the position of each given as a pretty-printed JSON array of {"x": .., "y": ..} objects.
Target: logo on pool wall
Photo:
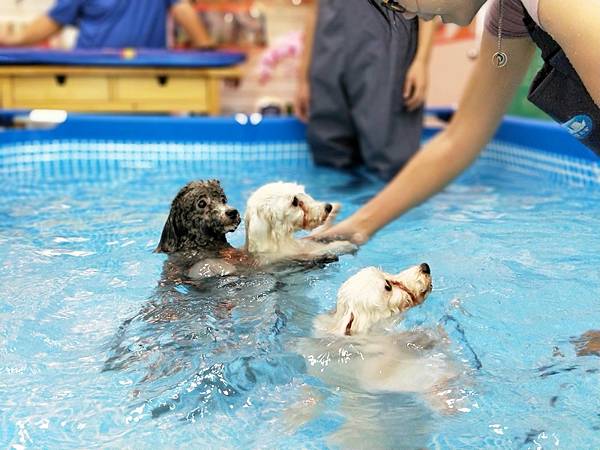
[{"x": 579, "y": 126}]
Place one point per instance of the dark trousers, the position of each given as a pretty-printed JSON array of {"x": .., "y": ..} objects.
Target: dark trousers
[{"x": 357, "y": 112}]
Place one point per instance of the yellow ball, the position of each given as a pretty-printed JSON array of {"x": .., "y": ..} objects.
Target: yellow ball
[{"x": 128, "y": 53}]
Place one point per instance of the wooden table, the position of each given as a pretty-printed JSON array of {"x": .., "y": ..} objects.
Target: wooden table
[{"x": 151, "y": 81}]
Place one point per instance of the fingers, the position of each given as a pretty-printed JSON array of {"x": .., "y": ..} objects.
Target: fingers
[
  {"x": 339, "y": 233},
  {"x": 409, "y": 87},
  {"x": 416, "y": 97},
  {"x": 325, "y": 237},
  {"x": 301, "y": 102},
  {"x": 301, "y": 108}
]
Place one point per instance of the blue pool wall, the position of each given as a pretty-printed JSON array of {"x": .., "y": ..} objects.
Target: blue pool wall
[{"x": 523, "y": 145}]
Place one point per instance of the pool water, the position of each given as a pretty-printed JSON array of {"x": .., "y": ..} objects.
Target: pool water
[{"x": 94, "y": 354}]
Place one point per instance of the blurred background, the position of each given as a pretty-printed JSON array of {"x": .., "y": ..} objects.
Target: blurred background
[{"x": 269, "y": 32}]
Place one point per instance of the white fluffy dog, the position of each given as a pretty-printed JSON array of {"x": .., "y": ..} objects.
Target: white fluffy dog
[
  {"x": 276, "y": 211},
  {"x": 371, "y": 295},
  {"x": 355, "y": 346}
]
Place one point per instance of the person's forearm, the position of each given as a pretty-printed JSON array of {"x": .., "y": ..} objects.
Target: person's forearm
[
  {"x": 309, "y": 36},
  {"x": 428, "y": 172},
  {"x": 36, "y": 32},
  {"x": 482, "y": 105},
  {"x": 185, "y": 15},
  {"x": 425, "y": 42}
]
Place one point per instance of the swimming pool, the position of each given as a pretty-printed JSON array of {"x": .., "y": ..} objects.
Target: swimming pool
[{"x": 87, "y": 361}]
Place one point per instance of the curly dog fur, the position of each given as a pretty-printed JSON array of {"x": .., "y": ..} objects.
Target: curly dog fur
[
  {"x": 194, "y": 235},
  {"x": 199, "y": 219}
]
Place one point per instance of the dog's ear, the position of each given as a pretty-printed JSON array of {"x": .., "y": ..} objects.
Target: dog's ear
[
  {"x": 348, "y": 331},
  {"x": 169, "y": 239},
  {"x": 342, "y": 322},
  {"x": 258, "y": 230},
  {"x": 357, "y": 306}
]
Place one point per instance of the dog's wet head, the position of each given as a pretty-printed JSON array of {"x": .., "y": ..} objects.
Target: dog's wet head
[
  {"x": 413, "y": 285},
  {"x": 199, "y": 218},
  {"x": 372, "y": 295}
]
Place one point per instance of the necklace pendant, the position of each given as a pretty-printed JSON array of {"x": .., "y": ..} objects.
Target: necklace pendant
[{"x": 499, "y": 59}]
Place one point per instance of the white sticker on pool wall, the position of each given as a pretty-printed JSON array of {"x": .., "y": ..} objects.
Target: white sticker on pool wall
[{"x": 579, "y": 126}]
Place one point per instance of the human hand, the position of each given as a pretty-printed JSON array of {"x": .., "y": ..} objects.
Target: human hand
[
  {"x": 415, "y": 85},
  {"x": 7, "y": 39},
  {"x": 206, "y": 44},
  {"x": 301, "y": 102},
  {"x": 346, "y": 230}
]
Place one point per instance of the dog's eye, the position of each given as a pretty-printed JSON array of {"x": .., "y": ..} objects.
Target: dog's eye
[
  {"x": 388, "y": 285},
  {"x": 202, "y": 204},
  {"x": 295, "y": 202},
  {"x": 224, "y": 200}
]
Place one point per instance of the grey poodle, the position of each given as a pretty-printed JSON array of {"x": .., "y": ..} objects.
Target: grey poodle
[
  {"x": 196, "y": 227},
  {"x": 199, "y": 219}
]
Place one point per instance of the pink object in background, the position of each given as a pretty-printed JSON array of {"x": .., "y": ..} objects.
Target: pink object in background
[{"x": 288, "y": 46}]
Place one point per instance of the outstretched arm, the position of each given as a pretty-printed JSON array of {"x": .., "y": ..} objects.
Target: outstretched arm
[
  {"x": 485, "y": 100},
  {"x": 415, "y": 84},
  {"x": 187, "y": 17},
  {"x": 36, "y": 32},
  {"x": 302, "y": 98}
]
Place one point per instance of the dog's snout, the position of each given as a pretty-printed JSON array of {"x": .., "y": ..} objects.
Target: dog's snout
[
  {"x": 328, "y": 208},
  {"x": 425, "y": 268},
  {"x": 233, "y": 214}
]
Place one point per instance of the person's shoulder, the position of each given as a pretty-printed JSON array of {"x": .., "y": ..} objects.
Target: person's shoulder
[{"x": 512, "y": 13}]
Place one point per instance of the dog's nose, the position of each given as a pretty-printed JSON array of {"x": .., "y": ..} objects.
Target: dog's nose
[
  {"x": 328, "y": 208},
  {"x": 233, "y": 214},
  {"x": 425, "y": 268}
]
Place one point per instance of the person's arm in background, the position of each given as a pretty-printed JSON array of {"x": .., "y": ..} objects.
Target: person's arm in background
[
  {"x": 302, "y": 99},
  {"x": 415, "y": 84},
  {"x": 36, "y": 32},
  {"x": 575, "y": 26},
  {"x": 481, "y": 108},
  {"x": 186, "y": 16}
]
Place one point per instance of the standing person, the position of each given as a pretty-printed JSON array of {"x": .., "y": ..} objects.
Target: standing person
[
  {"x": 362, "y": 85},
  {"x": 113, "y": 24},
  {"x": 567, "y": 88}
]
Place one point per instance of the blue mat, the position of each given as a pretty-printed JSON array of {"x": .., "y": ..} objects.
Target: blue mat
[{"x": 135, "y": 58}]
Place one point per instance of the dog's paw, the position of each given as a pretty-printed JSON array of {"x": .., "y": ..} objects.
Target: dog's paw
[{"x": 341, "y": 247}]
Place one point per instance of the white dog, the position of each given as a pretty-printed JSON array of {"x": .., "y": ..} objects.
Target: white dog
[
  {"x": 370, "y": 296},
  {"x": 275, "y": 212},
  {"x": 355, "y": 346}
]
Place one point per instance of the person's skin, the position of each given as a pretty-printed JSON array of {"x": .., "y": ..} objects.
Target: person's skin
[
  {"x": 576, "y": 28},
  {"x": 186, "y": 16},
  {"x": 302, "y": 99},
  {"x": 415, "y": 85},
  {"x": 44, "y": 28},
  {"x": 417, "y": 76},
  {"x": 36, "y": 32}
]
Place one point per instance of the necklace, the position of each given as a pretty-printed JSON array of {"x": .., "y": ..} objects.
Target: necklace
[{"x": 500, "y": 58}]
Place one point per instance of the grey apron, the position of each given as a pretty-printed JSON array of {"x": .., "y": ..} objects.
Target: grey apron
[{"x": 357, "y": 112}]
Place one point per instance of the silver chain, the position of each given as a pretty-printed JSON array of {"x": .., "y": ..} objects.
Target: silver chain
[{"x": 500, "y": 58}]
